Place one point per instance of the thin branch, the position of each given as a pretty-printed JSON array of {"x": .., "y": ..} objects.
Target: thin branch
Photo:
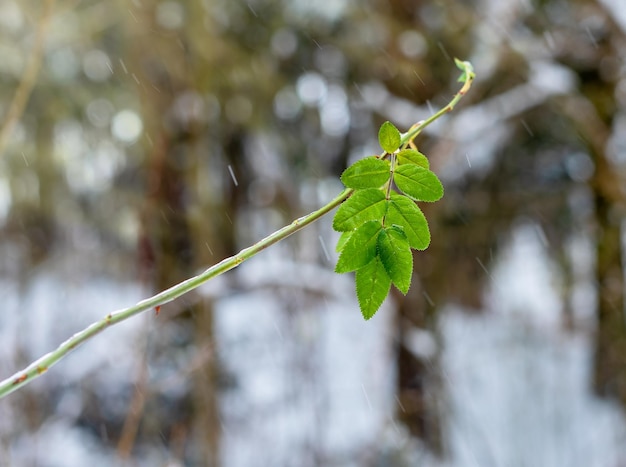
[
  {"x": 43, "y": 364},
  {"x": 40, "y": 366},
  {"x": 22, "y": 93},
  {"x": 468, "y": 78}
]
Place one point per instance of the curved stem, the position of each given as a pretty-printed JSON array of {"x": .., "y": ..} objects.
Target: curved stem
[
  {"x": 43, "y": 364},
  {"x": 467, "y": 77}
]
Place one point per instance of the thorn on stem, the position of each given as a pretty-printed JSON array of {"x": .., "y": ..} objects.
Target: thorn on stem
[{"x": 20, "y": 379}]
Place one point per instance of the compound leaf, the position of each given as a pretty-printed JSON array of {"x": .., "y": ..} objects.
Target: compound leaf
[
  {"x": 417, "y": 182},
  {"x": 364, "y": 205},
  {"x": 395, "y": 255},
  {"x": 404, "y": 212},
  {"x": 360, "y": 249},
  {"x": 411, "y": 156},
  {"x": 389, "y": 137},
  {"x": 372, "y": 286},
  {"x": 370, "y": 172}
]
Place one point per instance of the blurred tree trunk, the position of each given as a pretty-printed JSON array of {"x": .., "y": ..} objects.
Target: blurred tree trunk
[
  {"x": 610, "y": 208},
  {"x": 593, "y": 115},
  {"x": 172, "y": 243},
  {"x": 32, "y": 211},
  {"x": 610, "y": 354},
  {"x": 610, "y": 351},
  {"x": 419, "y": 382}
]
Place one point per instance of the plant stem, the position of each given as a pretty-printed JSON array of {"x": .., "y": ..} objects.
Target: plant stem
[
  {"x": 468, "y": 74},
  {"x": 43, "y": 364}
]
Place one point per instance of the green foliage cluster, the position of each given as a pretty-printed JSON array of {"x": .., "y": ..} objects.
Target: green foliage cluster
[{"x": 381, "y": 223}]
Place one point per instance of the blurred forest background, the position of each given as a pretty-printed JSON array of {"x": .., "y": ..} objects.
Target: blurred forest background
[{"x": 142, "y": 141}]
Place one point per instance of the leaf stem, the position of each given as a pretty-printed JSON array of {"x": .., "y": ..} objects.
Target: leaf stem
[{"x": 392, "y": 168}]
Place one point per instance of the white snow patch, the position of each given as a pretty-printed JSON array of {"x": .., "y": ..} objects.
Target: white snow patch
[{"x": 524, "y": 280}]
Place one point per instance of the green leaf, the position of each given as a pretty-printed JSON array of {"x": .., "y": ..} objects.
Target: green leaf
[
  {"x": 372, "y": 286},
  {"x": 417, "y": 182},
  {"x": 411, "y": 156},
  {"x": 343, "y": 238},
  {"x": 389, "y": 137},
  {"x": 362, "y": 206},
  {"x": 395, "y": 255},
  {"x": 360, "y": 249},
  {"x": 370, "y": 172},
  {"x": 404, "y": 212},
  {"x": 466, "y": 68}
]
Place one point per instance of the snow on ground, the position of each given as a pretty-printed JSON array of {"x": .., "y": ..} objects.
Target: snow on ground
[
  {"x": 518, "y": 383},
  {"x": 311, "y": 383},
  {"x": 519, "y": 396},
  {"x": 36, "y": 317},
  {"x": 518, "y": 391}
]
